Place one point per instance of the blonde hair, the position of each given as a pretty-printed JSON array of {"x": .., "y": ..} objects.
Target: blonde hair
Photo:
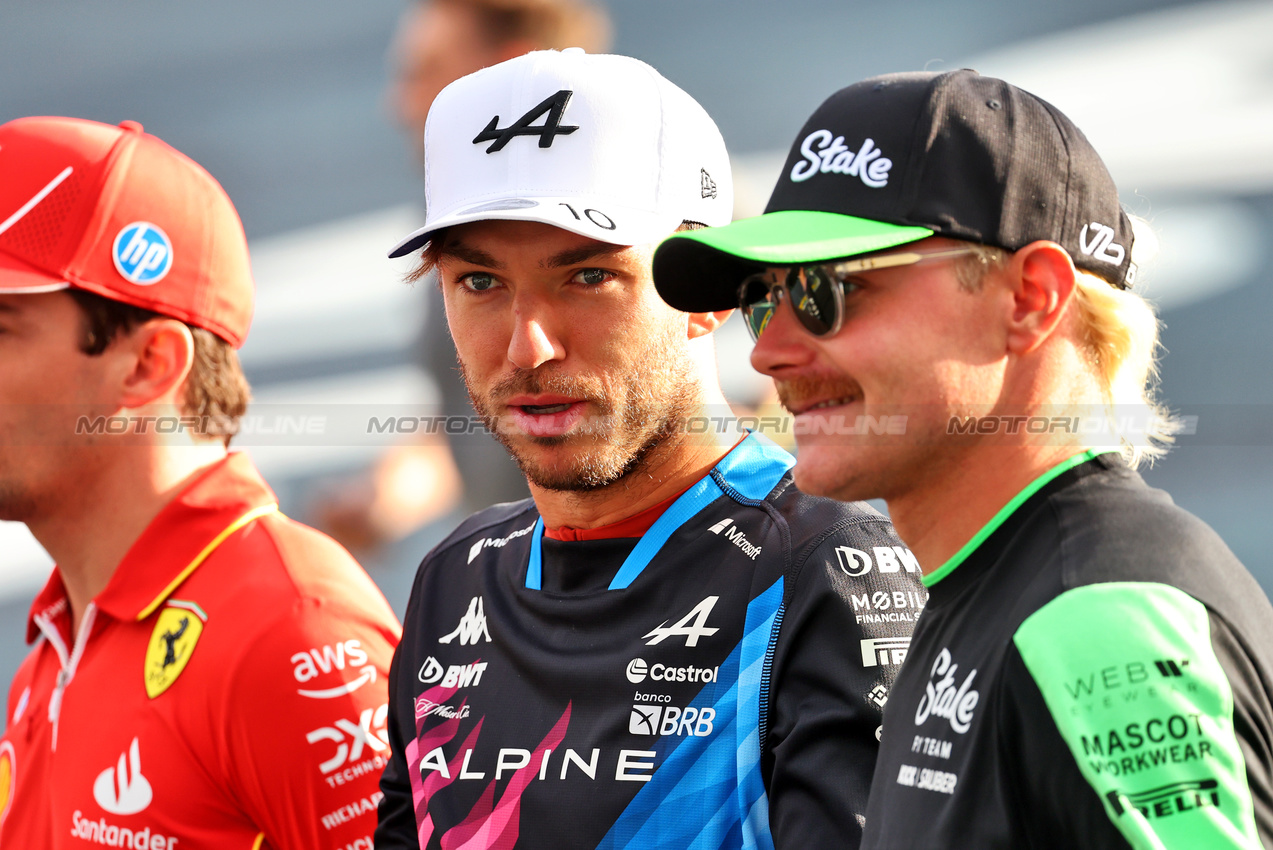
[{"x": 1119, "y": 334}]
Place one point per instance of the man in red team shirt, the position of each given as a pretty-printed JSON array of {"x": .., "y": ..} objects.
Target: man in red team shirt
[{"x": 206, "y": 672}]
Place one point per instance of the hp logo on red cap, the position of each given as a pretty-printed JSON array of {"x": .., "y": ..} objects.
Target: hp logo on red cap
[{"x": 142, "y": 253}]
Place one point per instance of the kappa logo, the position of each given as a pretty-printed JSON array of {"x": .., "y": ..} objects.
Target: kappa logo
[
  {"x": 554, "y": 105},
  {"x": 736, "y": 536},
  {"x": 325, "y": 659},
  {"x": 1102, "y": 245},
  {"x": 472, "y": 627},
  {"x": 142, "y": 253},
  {"x": 691, "y": 627},
  {"x": 825, "y": 154},
  {"x": 706, "y": 184},
  {"x": 889, "y": 559},
  {"x": 497, "y": 542},
  {"x": 172, "y": 642},
  {"x": 122, "y": 789}
]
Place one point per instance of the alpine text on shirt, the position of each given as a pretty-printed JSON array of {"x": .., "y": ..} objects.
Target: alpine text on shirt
[{"x": 716, "y": 682}]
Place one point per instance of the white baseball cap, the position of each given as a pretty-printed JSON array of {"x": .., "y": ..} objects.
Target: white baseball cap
[{"x": 599, "y": 145}]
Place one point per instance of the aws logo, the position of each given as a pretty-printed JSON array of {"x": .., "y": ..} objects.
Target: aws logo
[{"x": 325, "y": 659}]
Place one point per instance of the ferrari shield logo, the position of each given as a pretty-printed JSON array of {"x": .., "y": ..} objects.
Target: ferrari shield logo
[{"x": 171, "y": 644}]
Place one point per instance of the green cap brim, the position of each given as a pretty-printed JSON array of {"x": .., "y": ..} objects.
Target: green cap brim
[{"x": 699, "y": 270}]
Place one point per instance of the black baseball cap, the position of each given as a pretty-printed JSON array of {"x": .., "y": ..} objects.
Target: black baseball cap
[{"x": 901, "y": 157}]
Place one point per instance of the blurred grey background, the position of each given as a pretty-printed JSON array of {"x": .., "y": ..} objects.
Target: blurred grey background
[{"x": 283, "y": 102}]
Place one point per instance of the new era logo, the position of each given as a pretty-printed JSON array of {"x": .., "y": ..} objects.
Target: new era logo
[{"x": 706, "y": 184}]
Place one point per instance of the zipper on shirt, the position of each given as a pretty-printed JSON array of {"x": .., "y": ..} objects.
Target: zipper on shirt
[
  {"x": 766, "y": 673},
  {"x": 69, "y": 662}
]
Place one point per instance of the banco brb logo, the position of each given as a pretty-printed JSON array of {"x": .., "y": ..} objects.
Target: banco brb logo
[{"x": 142, "y": 253}]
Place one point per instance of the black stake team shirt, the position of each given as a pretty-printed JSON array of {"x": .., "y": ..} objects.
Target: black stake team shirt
[
  {"x": 715, "y": 683},
  {"x": 1094, "y": 669}
]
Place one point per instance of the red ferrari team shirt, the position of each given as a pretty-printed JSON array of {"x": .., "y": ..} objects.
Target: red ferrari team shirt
[{"x": 226, "y": 690}]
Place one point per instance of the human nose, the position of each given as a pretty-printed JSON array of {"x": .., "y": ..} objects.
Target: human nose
[
  {"x": 783, "y": 345},
  {"x": 533, "y": 342}
]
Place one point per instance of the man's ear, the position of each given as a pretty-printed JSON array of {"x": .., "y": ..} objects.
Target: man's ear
[
  {"x": 1041, "y": 278},
  {"x": 157, "y": 357},
  {"x": 701, "y": 324}
]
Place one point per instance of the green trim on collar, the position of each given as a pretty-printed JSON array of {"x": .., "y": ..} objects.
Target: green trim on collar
[{"x": 1006, "y": 511}]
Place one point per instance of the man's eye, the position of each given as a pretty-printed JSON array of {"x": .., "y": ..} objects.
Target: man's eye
[
  {"x": 592, "y": 277},
  {"x": 851, "y": 284},
  {"x": 478, "y": 281}
]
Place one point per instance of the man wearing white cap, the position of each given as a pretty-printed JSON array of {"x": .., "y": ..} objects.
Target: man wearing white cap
[{"x": 668, "y": 645}]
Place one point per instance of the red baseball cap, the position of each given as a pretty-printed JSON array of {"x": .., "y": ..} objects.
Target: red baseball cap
[{"x": 115, "y": 211}]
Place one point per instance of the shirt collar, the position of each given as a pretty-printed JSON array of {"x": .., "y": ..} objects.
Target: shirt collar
[{"x": 224, "y": 498}]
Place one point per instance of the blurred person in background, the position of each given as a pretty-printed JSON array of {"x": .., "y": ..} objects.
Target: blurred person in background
[
  {"x": 205, "y": 671},
  {"x": 437, "y": 42},
  {"x": 659, "y": 648},
  {"x": 1094, "y": 667}
]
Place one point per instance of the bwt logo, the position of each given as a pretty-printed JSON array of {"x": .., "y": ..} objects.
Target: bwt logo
[
  {"x": 890, "y": 559},
  {"x": 142, "y": 253},
  {"x": 453, "y": 676}
]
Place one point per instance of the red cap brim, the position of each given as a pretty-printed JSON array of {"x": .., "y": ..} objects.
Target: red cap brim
[{"x": 17, "y": 277}]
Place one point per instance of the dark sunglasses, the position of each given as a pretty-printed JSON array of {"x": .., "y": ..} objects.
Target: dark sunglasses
[{"x": 816, "y": 292}]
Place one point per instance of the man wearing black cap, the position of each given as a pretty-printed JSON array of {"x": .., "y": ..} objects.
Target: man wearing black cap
[{"x": 1094, "y": 667}]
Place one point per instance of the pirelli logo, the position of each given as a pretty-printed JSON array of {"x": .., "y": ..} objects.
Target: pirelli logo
[
  {"x": 884, "y": 652},
  {"x": 1167, "y": 800}
]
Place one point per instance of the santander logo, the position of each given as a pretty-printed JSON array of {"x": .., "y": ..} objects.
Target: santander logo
[{"x": 122, "y": 790}]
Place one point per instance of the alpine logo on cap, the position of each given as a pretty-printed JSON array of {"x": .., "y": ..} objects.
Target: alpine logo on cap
[
  {"x": 554, "y": 105},
  {"x": 825, "y": 154},
  {"x": 142, "y": 253}
]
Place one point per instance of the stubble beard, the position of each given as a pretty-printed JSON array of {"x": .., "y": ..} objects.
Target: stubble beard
[
  {"x": 15, "y": 505},
  {"x": 659, "y": 393}
]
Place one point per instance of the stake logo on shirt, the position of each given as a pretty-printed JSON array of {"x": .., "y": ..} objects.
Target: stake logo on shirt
[{"x": 171, "y": 644}]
